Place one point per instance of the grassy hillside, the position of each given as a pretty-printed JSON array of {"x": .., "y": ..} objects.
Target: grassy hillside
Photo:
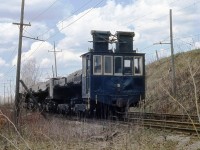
[{"x": 159, "y": 83}]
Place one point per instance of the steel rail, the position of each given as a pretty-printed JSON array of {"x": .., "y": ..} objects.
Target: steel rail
[
  {"x": 161, "y": 116},
  {"x": 164, "y": 121}
]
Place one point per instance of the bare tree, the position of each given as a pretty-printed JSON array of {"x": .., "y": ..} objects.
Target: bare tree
[
  {"x": 193, "y": 73},
  {"x": 30, "y": 73}
]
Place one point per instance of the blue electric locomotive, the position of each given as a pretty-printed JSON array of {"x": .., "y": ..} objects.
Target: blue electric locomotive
[
  {"x": 113, "y": 79},
  {"x": 110, "y": 80}
]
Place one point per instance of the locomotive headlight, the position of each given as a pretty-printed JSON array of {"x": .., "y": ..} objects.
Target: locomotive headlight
[{"x": 118, "y": 85}]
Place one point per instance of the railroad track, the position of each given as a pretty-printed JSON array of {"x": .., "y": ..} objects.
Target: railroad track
[
  {"x": 172, "y": 122},
  {"x": 163, "y": 116}
]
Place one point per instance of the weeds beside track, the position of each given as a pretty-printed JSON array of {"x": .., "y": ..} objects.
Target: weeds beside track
[{"x": 173, "y": 122}]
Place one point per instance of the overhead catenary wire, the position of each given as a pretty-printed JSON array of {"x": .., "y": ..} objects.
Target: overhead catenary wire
[
  {"x": 149, "y": 46},
  {"x": 65, "y": 27},
  {"x": 188, "y": 36},
  {"x": 177, "y": 47},
  {"x": 147, "y": 14},
  {"x": 156, "y": 19},
  {"x": 72, "y": 22},
  {"x": 77, "y": 19},
  {"x": 8, "y": 71},
  {"x": 13, "y": 52},
  {"x": 85, "y": 4},
  {"x": 125, "y": 23},
  {"x": 44, "y": 11}
]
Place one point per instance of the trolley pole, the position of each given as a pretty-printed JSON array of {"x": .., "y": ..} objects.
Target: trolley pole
[{"x": 17, "y": 99}]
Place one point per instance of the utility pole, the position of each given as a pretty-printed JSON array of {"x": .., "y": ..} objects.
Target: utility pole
[
  {"x": 54, "y": 50},
  {"x": 11, "y": 100},
  {"x": 172, "y": 55},
  {"x": 8, "y": 96},
  {"x": 4, "y": 98},
  {"x": 17, "y": 99},
  {"x": 10, "y": 91},
  {"x": 157, "y": 55}
]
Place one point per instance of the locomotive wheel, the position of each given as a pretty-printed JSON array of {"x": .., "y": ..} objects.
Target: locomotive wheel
[{"x": 104, "y": 111}]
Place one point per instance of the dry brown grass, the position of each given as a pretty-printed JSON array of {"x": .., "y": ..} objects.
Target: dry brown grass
[
  {"x": 2, "y": 122},
  {"x": 63, "y": 134},
  {"x": 187, "y": 75}
]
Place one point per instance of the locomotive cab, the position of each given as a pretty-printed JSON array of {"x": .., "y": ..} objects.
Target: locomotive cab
[{"x": 115, "y": 79}]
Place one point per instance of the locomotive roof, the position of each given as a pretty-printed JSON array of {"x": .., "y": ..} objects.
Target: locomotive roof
[{"x": 110, "y": 52}]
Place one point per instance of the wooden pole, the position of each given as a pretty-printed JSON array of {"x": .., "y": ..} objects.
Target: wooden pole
[
  {"x": 172, "y": 57},
  {"x": 17, "y": 100}
]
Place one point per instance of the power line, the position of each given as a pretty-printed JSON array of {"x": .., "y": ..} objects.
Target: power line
[
  {"x": 153, "y": 53},
  {"x": 85, "y": 4},
  {"x": 8, "y": 71},
  {"x": 9, "y": 57},
  {"x": 28, "y": 32},
  {"x": 189, "y": 5},
  {"x": 176, "y": 38},
  {"x": 155, "y": 19},
  {"x": 147, "y": 14},
  {"x": 77, "y": 19},
  {"x": 183, "y": 37},
  {"x": 67, "y": 26},
  {"x": 40, "y": 15},
  {"x": 34, "y": 50},
  {"x": 34, "y": 18}
]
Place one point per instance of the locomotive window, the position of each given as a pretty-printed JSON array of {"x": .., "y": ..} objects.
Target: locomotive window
[
  {"x": 108, "y": 65},
  {"x": 138, "y": 65},
  {"x": 118, "y": 65},
  {"x": 127, "y": 66},
  {"x": 97, "y": 64},
  {"x": 127, "y": 63}
]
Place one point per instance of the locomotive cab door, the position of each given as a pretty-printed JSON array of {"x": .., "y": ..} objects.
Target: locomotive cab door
[{"x": 86, "y": 76}]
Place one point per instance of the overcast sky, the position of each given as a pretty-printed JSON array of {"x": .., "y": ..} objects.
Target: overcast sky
[{"x": 68, "y": 23}]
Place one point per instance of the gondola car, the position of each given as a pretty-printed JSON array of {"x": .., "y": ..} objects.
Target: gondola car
[{"x": 109, "y": 81}]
